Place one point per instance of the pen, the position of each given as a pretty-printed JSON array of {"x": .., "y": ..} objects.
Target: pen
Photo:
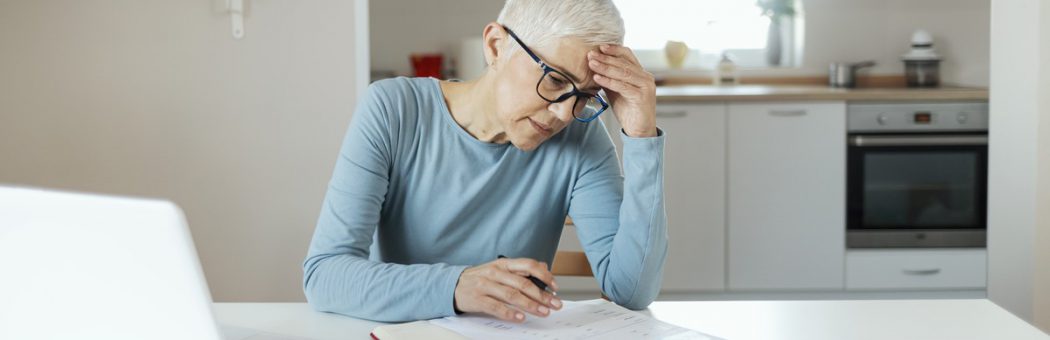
[{"x": 537, "y": 282}]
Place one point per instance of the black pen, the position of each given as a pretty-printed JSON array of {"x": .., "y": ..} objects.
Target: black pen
[{"x": 537, "y": 282}]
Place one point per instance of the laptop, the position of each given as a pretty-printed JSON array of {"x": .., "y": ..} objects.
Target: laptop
[{"x": 81, "y": 266}]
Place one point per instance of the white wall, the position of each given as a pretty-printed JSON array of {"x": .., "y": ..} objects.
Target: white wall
[
  {"x": 1019, "y": 161},
  {"x": 155, "y": 98},
  {"x": 836, "y": 30},
  {"x": 1041, "y": 296},
  {"x": 880, "y": 30},
  {"x": 399, "y": 28}
]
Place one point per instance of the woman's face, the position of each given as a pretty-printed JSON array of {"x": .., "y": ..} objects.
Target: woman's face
[{"x": 527, "y": 119}]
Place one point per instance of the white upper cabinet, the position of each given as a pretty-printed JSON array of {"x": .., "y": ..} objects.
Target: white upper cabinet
[
  {"x": 787, "y": 188},
  {"x": 694, "y": 193}
]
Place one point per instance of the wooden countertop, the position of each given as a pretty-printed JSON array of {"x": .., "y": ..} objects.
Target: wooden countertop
[{"x": 710, "y": 93}]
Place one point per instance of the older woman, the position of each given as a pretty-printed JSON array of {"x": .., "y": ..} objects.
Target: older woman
[{"x": 436, "y": 179}]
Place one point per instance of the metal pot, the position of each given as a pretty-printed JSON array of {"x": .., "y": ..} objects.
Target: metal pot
[{"x": 845, "y": 74}]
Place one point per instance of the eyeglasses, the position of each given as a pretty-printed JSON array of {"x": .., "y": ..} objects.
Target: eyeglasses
[{"x": 555, "y": 87}]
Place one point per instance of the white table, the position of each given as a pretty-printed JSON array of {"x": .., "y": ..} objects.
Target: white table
[{"x": 735, "y": 320}]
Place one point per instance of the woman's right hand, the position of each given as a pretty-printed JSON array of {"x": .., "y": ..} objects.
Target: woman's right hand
[{"x": 501, "y": 288}]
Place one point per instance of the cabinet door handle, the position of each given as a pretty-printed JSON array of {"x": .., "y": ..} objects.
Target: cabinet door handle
[
  {"x": 787, "y": 113},
  {"x": 671, "y": 114},
  {"x": 930, "y": 271}
]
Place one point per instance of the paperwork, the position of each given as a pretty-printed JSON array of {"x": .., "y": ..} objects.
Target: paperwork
[{"x": 592, "y": 319}]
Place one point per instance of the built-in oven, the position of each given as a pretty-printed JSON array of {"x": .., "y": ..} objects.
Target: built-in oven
[{"x": 917, "y": 175}]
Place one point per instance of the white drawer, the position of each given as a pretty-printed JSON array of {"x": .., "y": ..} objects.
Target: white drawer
[{"x": 916, "y": 269}]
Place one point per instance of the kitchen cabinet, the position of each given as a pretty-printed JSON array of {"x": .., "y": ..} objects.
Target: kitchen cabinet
[
  {"x": 755, "y": 195},
  {"x": 786, "y": 195},
  {"x": 913, "y": 269},
  {"x": 694, "y": 193}
]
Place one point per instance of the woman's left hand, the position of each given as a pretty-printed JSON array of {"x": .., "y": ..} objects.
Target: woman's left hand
[{"x": 631, "y": 89}]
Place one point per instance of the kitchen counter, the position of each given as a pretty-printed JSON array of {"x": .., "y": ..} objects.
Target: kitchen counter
[{"x": 709, "y": 93}]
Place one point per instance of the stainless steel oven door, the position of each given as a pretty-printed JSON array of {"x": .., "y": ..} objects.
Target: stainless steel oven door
[{"x": 917, "y": 190}]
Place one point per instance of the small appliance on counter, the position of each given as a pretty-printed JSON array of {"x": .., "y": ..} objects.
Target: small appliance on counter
[
  {"x": 469, "y": 59},
  {"x": 922, "y": 64}
]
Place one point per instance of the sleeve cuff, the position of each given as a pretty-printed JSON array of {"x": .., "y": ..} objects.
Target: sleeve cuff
[
  {"x": 640, "y": 146},
  {"x": 449, "y": 289},
  {"x": 659, "y": 133}
]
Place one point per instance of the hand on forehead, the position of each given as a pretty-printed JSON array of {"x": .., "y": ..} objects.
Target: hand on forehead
[{"x": 569, "y": 55}]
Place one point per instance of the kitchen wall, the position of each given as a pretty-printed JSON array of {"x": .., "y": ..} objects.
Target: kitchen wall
[
  {"x": 398, "y": 28},
  {"x": 836, "y": 30},
  {"x": 1019, "y": 161},
  {"x": 155, "y": 98},
  {"x": 1041, "y": 295},
  {"x": 854, "y": 30}
]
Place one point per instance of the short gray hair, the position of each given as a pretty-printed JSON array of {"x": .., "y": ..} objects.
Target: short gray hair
[{"x": 541, "y": 22}]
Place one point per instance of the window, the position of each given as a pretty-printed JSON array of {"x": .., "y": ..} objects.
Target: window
[{"x": 710, "y": 28}]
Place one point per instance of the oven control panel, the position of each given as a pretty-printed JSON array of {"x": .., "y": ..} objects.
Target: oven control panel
[{"x": 917, "y": 117}]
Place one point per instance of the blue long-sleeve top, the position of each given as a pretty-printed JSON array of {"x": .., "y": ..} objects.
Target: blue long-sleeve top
[{"x": 414, "y": 200}]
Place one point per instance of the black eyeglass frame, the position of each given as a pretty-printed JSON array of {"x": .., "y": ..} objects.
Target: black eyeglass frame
[{"x": 575, "y": 91}]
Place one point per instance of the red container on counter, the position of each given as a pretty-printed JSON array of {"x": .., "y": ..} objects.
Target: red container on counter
[{"x": 427, "y": 65}]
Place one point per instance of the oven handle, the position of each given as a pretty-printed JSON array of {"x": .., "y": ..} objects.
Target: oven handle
[{"x": 895, "y": 140}]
